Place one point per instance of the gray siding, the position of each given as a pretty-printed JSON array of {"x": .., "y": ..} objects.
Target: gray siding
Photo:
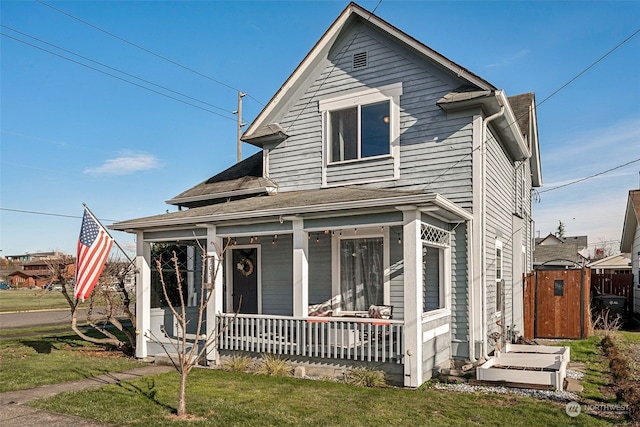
[
  {"x": 435, "y": 151},
  {"x": 319, "y": 268},
  {"x": 500, "y": 206},
  {"x": 396, "y": 273},
  {"x": 277, "y": 276},
  {"x": 459, "y": 293},
  {"x": 436, "y": 350}
]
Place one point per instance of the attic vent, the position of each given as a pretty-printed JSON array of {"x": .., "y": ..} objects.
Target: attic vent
[{"x": 359, "y": 60}]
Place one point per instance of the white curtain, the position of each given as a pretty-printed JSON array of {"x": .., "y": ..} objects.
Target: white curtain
[{"x": 361, "y": 273}]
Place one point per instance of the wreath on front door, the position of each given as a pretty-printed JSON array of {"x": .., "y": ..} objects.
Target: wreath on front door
[{"x": 245, "y": 266}]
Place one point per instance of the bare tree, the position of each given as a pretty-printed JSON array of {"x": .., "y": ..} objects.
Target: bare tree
[
  {"x": 111, "y": 290},
  {"x": 183, "y": 351}
]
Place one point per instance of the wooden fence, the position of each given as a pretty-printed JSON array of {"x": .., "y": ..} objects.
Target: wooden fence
[
  {"x": 556, "y": 304},
  {"x": 613, "y": 284}
]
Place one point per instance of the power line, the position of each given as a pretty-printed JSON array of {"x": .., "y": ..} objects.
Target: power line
[
  {"x": 335, "y": 65},
  {"x": 116, "y": 69},
  {"x": 590, "y": 176},
  {"x": 591, "y": 66},
  {"x": 51, "y": 214},
  {"x": 117, "y": 77},
  {"x": 535, "y": 107},
  {"x": 137, "y": 46}
]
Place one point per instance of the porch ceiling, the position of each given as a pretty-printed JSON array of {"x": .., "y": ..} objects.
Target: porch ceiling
[{"x": 303, "y": 203}]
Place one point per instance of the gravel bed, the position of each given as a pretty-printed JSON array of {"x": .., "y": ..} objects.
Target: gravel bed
[
  {"x": 560, "y": 396},
  {"x": 574, "y": 374}
]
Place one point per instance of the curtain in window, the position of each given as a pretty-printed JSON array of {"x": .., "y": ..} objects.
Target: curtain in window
[{"x": 361, "y": 273}]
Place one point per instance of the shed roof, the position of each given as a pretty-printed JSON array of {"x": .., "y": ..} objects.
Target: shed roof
[
  {"x": 324, "y": 201},
  {"x": 242, "y": 179}
]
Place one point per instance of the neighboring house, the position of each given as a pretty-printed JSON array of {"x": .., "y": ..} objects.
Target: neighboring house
[
  {"x": 385, "y": 218},
  {"x": 614, "y": 264},
  {"x": 29, "y": 279},
  {"x": 631, "y": 241},
  {"x": 552, "y": 252},
  {"x": 34, "y": 256},
  {"x": 37, "y": 273}
]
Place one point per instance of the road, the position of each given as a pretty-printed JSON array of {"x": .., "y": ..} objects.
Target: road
[{"x": 30, "y": 319}]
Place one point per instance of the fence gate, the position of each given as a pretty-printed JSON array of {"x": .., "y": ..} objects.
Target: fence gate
[{"x": 556, "y": 304}]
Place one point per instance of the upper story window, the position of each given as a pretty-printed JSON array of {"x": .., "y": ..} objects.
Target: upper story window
[
  {"x": 361, "y": 125},
  {"x": 361, "y": 131}
]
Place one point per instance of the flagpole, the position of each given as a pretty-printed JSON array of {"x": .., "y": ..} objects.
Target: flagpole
[{"x": 106, "y": 231}]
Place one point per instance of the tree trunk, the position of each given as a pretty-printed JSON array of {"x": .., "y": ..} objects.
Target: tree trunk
[{"x": 182, "y": 399}]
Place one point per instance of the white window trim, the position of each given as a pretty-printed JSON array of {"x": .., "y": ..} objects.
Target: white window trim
[
  {"x": 390, "y": 93},
  {"x": 365, "y": 233},
  {"x": 499, "y": 245}
]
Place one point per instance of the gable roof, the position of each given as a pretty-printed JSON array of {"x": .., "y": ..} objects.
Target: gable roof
[
  {"x": 631, "y": 221},
  {"x": 240, "y": 180},
  {"x": 351, "y": 14},
  {"x": 617, "y": 261},
  {"x": 524, "y": 108},
  {"x": 566, "y": 254}
]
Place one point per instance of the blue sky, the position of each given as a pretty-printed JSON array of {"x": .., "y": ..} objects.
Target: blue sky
[{"x": 70, "y": 134}]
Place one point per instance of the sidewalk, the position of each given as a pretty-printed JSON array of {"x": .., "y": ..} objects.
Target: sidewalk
[{"x": 14, "y": 414}]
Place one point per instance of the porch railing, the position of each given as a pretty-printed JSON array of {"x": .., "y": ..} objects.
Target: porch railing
[{"x": 362, "y": 339}]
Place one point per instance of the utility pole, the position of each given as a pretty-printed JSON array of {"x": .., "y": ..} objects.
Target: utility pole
[{"x": 238, "y": 112}]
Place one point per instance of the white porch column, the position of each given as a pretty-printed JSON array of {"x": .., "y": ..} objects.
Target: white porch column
[
  {"x": 215, "y": 263},
  {"x": 143, "y": 294},
  {"x": 300, "y": 269},
  {"x": 413, "y": 299}
]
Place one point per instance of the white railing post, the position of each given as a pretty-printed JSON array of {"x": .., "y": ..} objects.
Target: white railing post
[
  {"x": 143, "y": 295},
  {"x": 214, "y": 279},
  {"x": 300, "y": 269},
  {"x": 413, "y": 278}
]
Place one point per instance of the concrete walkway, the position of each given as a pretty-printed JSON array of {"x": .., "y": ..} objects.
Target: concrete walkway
[{"x": 14, "y": 414}]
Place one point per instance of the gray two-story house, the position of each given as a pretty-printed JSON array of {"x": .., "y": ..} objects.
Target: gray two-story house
[{"x": 386, "y": 219}]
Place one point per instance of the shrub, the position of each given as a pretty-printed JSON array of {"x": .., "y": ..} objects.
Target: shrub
[
  {"x": 274, "y": 366},
  {"x": 238, "y": 364},
  {"x": 367, "y": 377},
  {"x": 619, "y": 370}
]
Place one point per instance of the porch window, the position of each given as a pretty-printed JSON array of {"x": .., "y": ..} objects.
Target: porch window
[
  {"x": 432, "y": 280},
  {"x": 361, "y": 273},
  {"x": 189, "y": 264}
]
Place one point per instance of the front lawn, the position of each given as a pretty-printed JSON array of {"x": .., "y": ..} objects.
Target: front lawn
[
  {"x": 31, "y": 299},
  {"x": 52, "y": 358},
  {"x": 217, "y": 398}
]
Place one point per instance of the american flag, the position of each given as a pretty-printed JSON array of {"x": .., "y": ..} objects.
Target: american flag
[{"x": 94, "y": 246}]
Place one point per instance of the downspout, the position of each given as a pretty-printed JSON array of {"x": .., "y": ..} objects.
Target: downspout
[
  {"x": 483, "y": 227},
  {"x": 470, "y": 299}
]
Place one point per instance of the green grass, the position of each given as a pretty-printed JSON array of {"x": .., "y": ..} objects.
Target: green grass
[
  {"x": 31, "y": 299},
  {"x": 53, "y": 358},
  {"x": 597, "y": 368},
  {"x": 218, "y": 398}
]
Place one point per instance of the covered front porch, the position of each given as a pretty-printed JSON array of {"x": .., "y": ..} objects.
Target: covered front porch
[{"x": 302, "y": 286}]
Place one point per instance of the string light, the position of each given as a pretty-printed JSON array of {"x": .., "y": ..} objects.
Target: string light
[{"x": 318, "y": 238}]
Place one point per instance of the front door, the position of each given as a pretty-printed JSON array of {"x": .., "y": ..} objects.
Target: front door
[{"x": 245, "y": 280}]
